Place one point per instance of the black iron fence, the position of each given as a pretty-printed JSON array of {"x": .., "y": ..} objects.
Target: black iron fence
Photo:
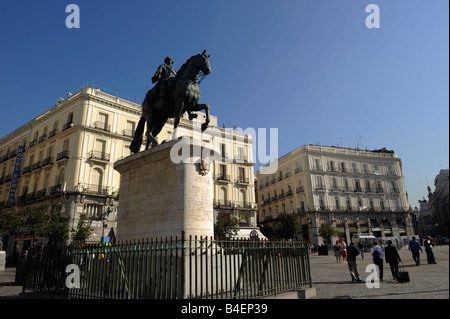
[{"x": 173, "y": 268}]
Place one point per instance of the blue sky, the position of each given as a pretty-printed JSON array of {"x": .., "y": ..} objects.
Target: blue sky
[{"x": 310, "y": 68}]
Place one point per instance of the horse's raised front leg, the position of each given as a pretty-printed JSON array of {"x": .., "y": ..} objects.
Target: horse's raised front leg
[{"x": 206, "y": 108}]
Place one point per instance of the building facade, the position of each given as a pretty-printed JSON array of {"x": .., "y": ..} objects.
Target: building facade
[
  {"x": 63, "y": 160},
  {"x": 438, "y": 205},
  {"x": 357, "y": 191}
]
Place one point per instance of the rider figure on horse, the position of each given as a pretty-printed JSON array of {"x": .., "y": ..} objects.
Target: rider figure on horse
[{"x": 164, "y": 72}]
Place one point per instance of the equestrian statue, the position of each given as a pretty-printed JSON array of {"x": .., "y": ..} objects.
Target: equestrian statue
[{"x": 174, "y": 94}]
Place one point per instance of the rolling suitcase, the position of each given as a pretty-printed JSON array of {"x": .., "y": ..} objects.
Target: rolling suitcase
[{"x": 402, "y": 275}]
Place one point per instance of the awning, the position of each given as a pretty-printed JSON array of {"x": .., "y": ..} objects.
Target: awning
[{"x": 248, "y": 233}]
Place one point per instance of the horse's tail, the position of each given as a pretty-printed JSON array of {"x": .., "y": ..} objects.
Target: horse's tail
[{"x": 138, "y": 135}]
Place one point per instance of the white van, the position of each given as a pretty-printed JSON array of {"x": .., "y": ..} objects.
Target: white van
[{"x": 368, "y": 239}]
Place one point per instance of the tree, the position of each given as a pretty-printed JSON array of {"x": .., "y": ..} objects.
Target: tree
[
  {"x": 83, "y": 230},
  {"x": 327, "y": 231},
  {"x": 225, "y": 227},
  {"x": 48, "y": 224},
  {"x": 290, "y": 224}
]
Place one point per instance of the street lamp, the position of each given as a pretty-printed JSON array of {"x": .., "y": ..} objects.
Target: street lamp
[{"x": 105, "y": 216}]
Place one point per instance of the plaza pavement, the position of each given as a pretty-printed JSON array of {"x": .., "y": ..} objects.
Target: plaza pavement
[{"x": 332, "y": 280}]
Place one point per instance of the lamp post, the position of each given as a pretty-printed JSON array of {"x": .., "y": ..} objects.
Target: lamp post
[{"x": 105, "y": 216}]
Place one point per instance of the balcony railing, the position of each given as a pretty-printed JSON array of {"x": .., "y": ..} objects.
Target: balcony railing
[
  {"x": 47, "y": 161},
  {"x": 67, "y": 125},
  {"x": 36, "y": 165},
  {"x": 222, "y": 203},
  {"x": 242, "y": 180},
  {"x": 62, "y": 155},
  {"x": 99, "y": 155},
  {"x": 222, "y": 177},
  {"x": 102, "y": 126}
]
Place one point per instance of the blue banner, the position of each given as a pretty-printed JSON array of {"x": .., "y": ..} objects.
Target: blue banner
[{"x": 16, "y": 174}]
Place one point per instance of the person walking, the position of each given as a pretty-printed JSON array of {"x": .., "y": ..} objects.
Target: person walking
[
  {"x": 337, "y": 252},
  {"x": 414, "y": 247},
  {"x": 377, "y": 254},
  {"x": 428, "y": 243},
  {"x": 352, "y": 252},
  {"x": 343, "y": 249},
  {"x": 361, "y": 248},
  {"x": 393, "y": 258}
]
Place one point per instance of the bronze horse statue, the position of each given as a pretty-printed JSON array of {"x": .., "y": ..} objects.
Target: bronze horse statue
[{"x": 183, "y": 95}]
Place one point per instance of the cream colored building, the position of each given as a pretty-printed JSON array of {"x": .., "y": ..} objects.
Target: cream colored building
[
  {"x": 358, "y": 191},
  {"x": 70, "y": 150}
]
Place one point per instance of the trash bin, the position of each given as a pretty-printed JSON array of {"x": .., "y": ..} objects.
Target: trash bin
[{"x": 323, "y": 250}]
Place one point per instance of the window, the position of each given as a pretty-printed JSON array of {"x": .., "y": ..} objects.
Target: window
[
  {"x": 70, "y": 117},
  {"x": 223, "y": 195},
  {"x": 223, "y": 171},
  {"x": 100, "y": 146},
  {"x": 368, "y": 186},
  {"x": 357, "y": 185},
  {"x": 94, "y": 210},
  {"x": 242, "y": 196},
  {"x": 360, "y": 204},
  {"x": 223, "y": 150},
  {"x": 334, "y": 183},
  {"x": 336, "y": 203},
  {"x": 97, "y": 179},
  {"x": 319, "y": 182},
  {"x": 316, "y": 164},
  {"x": 346, "y": 186},
  {"x": 302, "y": 206},
  {"x": 321, "y": 202},
  {"x": 348, "y": 203},
  {"x": 241, "y": 174},
  {"x": 102, "y": 119},
  {"x": 382, "y": 204},
  {"x": 241, "y": 154},
  {"x": 332, "y": 166},
  {"x": 364, "y": 167},
  {"x": 129, "y": 128}
]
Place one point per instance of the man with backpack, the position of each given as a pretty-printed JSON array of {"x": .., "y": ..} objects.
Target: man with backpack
[{"x": 377, "y": 255}]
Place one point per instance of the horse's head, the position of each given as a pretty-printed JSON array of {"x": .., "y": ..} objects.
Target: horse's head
[
  {"x": 194, "y": 65},
  {"x": 204, "y": 63}
]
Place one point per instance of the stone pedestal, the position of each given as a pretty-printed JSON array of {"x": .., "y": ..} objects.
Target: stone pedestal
[{"x": 160, "y": 196}]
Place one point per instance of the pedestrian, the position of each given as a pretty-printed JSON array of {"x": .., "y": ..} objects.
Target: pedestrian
[
  {"x": 312, "y": 248},
  {"x": 377, "y": 255},
  {"x": 351, "y": 260},
  {"x": 428, "y": 243},
  {"x": 393, "y": 258},
  {"x": 337, "y": 252},
  {"x": 343, "y": 250},
  {"x": 414, "y": 247},
  {"x": 361, "y": 248}
]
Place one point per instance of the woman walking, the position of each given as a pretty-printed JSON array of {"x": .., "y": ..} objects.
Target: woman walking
[
  {"x": 428, "y": 243},
  {"x": 337, "y": 252}
]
